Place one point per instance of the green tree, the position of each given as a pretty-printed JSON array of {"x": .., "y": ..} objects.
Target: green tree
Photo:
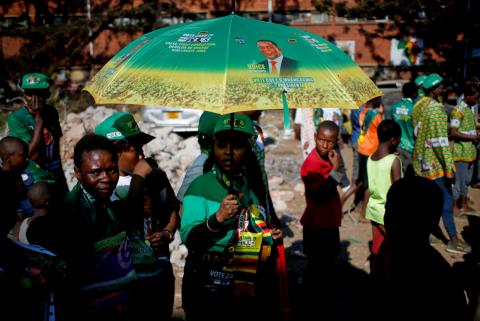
[
  {"x": 57, "y": 37},
  {"x": 446, "y": 26}
]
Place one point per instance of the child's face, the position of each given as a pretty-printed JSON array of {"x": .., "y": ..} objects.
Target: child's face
[
  {"x": 394, "y": 142},
  {"x": 325, "y": 140},
  {"x": 378, "y": 105},
  {"x": 17, "y": 160},
  {"x": 381, "y": 109}
]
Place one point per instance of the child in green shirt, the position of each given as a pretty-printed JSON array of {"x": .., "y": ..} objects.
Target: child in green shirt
[{"x": 383, "y": 169}]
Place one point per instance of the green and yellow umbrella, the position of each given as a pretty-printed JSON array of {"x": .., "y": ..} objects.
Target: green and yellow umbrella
[{"x": 232, "y": 64}]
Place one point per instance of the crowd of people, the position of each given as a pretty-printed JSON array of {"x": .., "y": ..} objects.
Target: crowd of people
[
  {"x": 101, "y": 250},
  {"x": 423, "y": 142},
  {"x": 437, "y": 143}
]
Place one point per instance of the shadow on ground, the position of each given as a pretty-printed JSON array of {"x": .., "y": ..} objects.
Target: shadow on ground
[
  {"x": 337, "y": 292},
  {"x": 468, "y": 271}
]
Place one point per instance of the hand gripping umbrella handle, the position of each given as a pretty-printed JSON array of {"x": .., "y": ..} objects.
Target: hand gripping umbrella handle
[{"x": 286, "y": 115}]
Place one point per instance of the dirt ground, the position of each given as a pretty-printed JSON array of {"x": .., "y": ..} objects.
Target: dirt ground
[{"x": 283, "y": 159}]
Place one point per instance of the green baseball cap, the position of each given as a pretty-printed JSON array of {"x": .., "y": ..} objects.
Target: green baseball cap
[
  {"x": 241, "y": 123},
  {"x": 120, "y": 126},
  {"x": 432, "y": 80},
  {"x": 35, "y": 81},
  {"x": 420, "y": 79},
  {"x": 207, "y": 122}
]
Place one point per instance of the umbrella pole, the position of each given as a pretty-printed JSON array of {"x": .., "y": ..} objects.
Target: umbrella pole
[
  {"x": 230, "y": 188},
  {"x": 287, "y": 129}
]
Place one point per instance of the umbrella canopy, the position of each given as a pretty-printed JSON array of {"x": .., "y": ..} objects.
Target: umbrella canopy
[{"x": 224, "y": 65}]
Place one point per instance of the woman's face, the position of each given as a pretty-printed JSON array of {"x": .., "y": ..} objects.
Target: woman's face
[
  {"x": 222, "y": 151},
  {"x": 127, "y": 160},
  {"x": 98, "y": 173}
]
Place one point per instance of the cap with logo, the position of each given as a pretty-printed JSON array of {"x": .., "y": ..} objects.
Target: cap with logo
[
  {"x": 207, "y": 122},
  {"x": 35, "y": 81},
  {"x": 120, "y": 126},
  {"x": 241, "y": 123},
  {"x": 420, "y": 79},
  {"x": 432, "y": 80}
]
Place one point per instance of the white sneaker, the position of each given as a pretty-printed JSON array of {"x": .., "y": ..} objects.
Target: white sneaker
[{"x": 458, "y": 247}]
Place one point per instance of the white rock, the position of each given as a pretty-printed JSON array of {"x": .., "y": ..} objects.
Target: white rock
[
  {"x": 73, "y": 119},
  {"x": 299, "y": 188},
  {"x": 274, "y": 182},
  {"x": 177, "y": 257},
  {"x": 279, "y": 205},
  {"x": 74, "y": 134},
  {"x": 162, "y": 132},
  {"x": 285, "y": 196},
  {"x": 154, "y": 147}
]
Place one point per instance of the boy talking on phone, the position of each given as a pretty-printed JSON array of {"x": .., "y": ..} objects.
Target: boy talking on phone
[
  {"x": 323, "y": 214},
  {"x": 37, "y": 124}
]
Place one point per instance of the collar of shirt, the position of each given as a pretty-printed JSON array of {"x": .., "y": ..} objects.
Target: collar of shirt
[
  {"x": 464, "y": 105},
  {"x": 87, "y": 195},
  {"x": 278, "y": 60}
]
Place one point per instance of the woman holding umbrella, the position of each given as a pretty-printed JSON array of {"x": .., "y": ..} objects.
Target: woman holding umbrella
[{"x": 230, "y": 265}]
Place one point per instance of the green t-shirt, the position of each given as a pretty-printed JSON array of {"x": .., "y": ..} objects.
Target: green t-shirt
[
  {"x": 202, "y": 200},
  {"x": 21, "y": 124},
  {"x": 37, "y": 174},
  {"x": 402, "y": 114},
  {"x": 462, "y": 118}
]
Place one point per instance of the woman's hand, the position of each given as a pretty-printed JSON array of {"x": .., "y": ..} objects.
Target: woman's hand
[
  {"x": 276, "y": 233},
  {"x": 228, "y": 208},
  {"x": 142, "y": 168},
  {"x": 157, "y": 239}
]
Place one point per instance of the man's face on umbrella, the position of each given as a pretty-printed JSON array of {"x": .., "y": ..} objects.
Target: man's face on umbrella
[
  {"x": 222, "y": 149},
  {"x": 269, "y": 50}
]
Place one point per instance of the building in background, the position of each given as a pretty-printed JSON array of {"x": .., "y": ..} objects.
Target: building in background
[{"x": 354, "y": 36}]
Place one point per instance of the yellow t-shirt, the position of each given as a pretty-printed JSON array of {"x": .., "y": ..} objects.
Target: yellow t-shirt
[{"x": 379, "y": 182}]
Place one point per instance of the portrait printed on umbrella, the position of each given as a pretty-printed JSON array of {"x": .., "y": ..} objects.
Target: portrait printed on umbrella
[{"x": 276, "y": 63}]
